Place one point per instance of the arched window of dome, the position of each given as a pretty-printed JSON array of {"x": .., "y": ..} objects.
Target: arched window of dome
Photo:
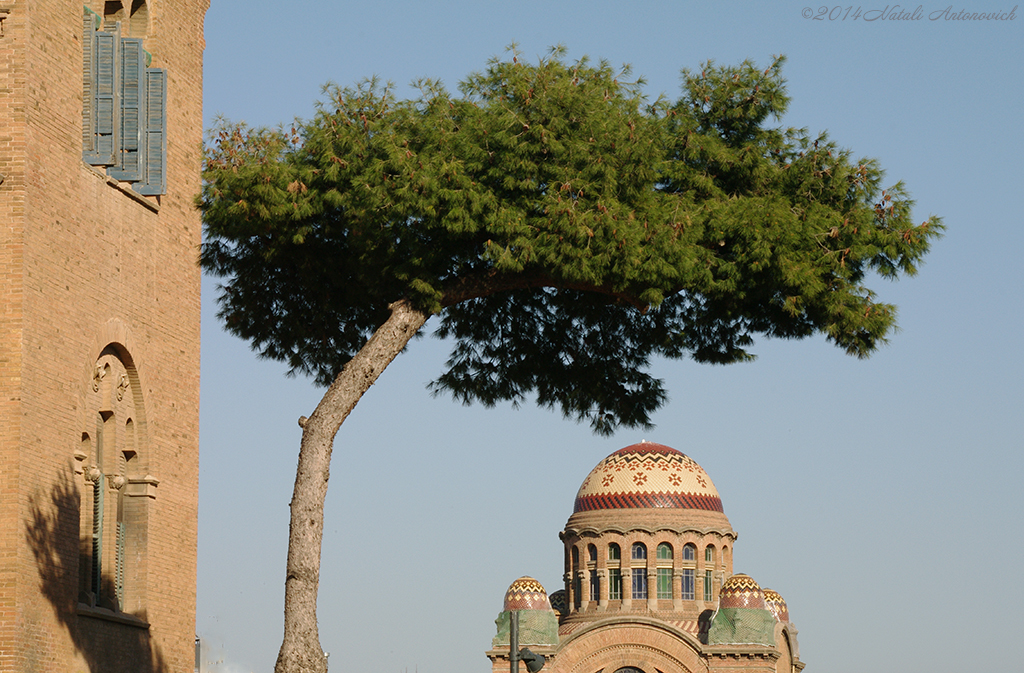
[
  {"x": 592, "y": 553},
  {"x": 614, "y": 554},
  {"x": 664, "y": 556},
  {"x": 687, "y": 582},
  {"x": 639, "y": 584},
  {"x": 614, "y": 584},
  {"x": 688, "y": 576},
  {"x": 639, "y": 552},
  {"x": 575, "y": 558},
  {"x": 709, "y": 555}
]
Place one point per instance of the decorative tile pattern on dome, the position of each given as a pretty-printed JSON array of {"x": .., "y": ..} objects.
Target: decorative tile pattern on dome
[
  {"x": 637, "y": 500},
  {"x": 648, "y": 475},
  {"x": 741, "y": 591},
  {"x": 526, "y": 593},
  {"x": 559, "y": 602},
  {"x": 776, "y": 605}
]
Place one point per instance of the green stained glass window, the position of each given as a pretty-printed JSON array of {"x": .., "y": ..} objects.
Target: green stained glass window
[
  {"x": 614, "y": 584},
  {"x": 664, "y": 582}
]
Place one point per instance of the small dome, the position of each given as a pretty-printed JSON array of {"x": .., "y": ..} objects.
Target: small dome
[
  {"x": 559, "y": 602},
  {"x": 741, "y": 591},
  {"x": 647, "y": 475},
  {"x": 526, "y": 593},
  {"x": 776, "y": 604}
]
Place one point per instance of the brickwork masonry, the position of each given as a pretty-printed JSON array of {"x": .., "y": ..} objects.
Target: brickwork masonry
[{"x": 88, "y": 268}]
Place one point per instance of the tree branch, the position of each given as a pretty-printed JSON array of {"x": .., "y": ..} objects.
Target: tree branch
[{"x": 491, "y": 282}]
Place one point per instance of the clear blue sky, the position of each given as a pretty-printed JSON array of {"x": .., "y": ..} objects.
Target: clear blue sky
[{"x": 881, "y": 498}]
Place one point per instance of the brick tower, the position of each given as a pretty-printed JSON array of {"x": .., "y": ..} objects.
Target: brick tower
[{"x": 100, "y": 142}]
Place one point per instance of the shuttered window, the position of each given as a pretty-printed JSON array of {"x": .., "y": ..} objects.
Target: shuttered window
[{"x": 124, "y": 117}]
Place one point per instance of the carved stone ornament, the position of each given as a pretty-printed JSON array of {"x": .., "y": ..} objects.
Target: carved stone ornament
[
  {"x": 116, "y": 482},
  {"x": 122, "y": 385},
  {"x": 92, "y": 474},
  {"x": 97, "y": 377}
]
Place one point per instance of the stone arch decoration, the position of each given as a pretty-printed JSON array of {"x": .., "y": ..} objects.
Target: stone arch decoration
[
  {"x": 636, "y": 643},
  {"x": 112, "y": 461}
]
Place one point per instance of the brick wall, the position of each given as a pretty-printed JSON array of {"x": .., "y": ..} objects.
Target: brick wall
[{"x": 85, "y": 264}]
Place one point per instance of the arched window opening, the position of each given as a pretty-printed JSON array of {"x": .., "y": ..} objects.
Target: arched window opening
[
  {"x": 614, "y": 584},
  {"x": 688, "y": 576},
  {"x": 614, "y": 572},
  {"x": 575, "y": 558},
  {"x": 592, "y": 553},
  {"x": 664, "y": 552},
  {"x": 116, "y": 489},
  {"x": 664, "y": 583},
  {"x": 688, "y": 579},
  {"x": 113, "y": 10},
  {"x": 639, "y": 584},
  {"x": 709, "y": 555},
  {"x": 639, "y": 552},
  {"x": 139, "y": 21}
]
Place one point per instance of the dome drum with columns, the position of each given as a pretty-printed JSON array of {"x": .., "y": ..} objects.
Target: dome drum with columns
[{"x": 648, "y": 580}]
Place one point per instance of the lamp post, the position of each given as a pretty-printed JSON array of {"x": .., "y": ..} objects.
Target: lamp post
[{"x": 534, "y": 662}]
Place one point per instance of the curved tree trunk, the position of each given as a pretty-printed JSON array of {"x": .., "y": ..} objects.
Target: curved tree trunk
[{"x": 301, "y": 651}]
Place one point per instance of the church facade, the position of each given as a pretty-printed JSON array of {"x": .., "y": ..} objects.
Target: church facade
[
  {"x": 649, "y": 582},
  {"x": 100, "y": 157}
]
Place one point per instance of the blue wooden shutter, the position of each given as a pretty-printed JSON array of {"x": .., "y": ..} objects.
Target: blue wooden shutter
[
  {"x": 128, "y": 158},
  {"x": 106, "y": 98},
  {"x": 154, "y": 133},
  {"x": 90, "y": 22}
]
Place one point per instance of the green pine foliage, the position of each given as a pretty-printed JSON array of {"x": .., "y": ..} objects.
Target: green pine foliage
[{"x": 564, "y": 228}]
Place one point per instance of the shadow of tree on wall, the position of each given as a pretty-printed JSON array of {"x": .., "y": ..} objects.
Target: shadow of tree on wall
[{"x": 52, "y": 532}]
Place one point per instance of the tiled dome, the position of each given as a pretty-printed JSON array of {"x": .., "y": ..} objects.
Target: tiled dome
[
  {"x": 559, "y": 602},
  {"x": 741, "y": 591},
  {"x": 526, "y": 593},
  {"x": 776, "y": 604},
  {"x": 648, "y": 475}
]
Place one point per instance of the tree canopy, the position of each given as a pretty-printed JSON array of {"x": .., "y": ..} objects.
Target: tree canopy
[{"x": 565, "y": 228}]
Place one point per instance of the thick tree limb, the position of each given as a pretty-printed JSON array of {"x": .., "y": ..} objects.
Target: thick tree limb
[{"x": 301, "y": 650}]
